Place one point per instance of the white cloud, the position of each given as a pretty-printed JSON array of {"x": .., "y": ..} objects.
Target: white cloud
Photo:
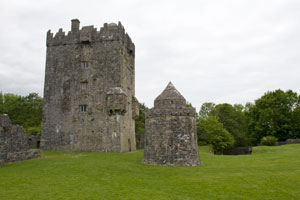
[{"x": 222, "y": 51}]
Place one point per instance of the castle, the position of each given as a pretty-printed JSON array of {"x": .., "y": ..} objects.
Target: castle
[{"x": 89, "y": 92}]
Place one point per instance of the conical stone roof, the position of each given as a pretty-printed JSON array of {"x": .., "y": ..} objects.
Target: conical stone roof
[{"x": 170, "y": 97}]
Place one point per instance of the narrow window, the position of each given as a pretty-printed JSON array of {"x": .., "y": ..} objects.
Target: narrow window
[
  {"x": 83, "y": 85},
  {"x": 85, "y": 64},
  {"x": 83, "y": 108}
]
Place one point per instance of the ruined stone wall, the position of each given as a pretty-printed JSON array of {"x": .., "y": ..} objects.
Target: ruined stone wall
[
  {"x": 14, "y": 143},
  {"x": 236, "y": 151},
  {"x": 171, "y": 137},
  {"x": 89, "y": 90},
  {"x": 289, "y": 141}
]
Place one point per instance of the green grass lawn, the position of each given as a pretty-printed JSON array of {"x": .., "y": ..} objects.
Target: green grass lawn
[{"x": 269, "y": 173}]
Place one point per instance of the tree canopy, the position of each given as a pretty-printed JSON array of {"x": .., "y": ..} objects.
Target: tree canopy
[
  {"x": 233, "y": 120},
  {"x": 215, "y": 134},
  {"x": 24, "y": 111},
  {"x": 276, "y": 114}
]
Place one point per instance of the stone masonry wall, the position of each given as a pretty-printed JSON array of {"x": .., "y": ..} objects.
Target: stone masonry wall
[
  {"x": 89, "y": 102},
  {"x": 171, "y": 138},
  {"x": 14, "y": 143}
]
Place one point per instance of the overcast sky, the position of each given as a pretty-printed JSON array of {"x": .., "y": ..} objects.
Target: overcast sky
[{"x": 218, "y": 51}]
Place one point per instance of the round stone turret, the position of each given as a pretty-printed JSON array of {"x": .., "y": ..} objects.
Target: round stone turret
[
  {"x": 170, "y": 131},
  {"x": 170, "y": 98}
]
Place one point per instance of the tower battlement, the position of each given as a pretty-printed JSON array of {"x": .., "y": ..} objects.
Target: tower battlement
[{"x": 89, "y": 34}]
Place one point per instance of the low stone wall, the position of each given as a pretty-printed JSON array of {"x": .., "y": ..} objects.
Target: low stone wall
[
  {"x": 238, "y": 151},
  {"x": 14, "y": 144},
  {"x": 293, "y": 141},
  {"x": 289, "y": 141},
  {"x": 140, "y": 141},
  {"x": 22, "y": 155}
]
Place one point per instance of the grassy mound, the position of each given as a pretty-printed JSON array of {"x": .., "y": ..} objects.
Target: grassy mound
[{"x": 269, "y": 173}]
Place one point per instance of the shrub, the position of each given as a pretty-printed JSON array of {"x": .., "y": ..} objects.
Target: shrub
[
  {"x": 222, "y": 141},
  {"x": 269, "y": 140},
  {"x": 214, "y": 133}
]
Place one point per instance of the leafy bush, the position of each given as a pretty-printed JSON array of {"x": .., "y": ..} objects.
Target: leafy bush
[
  {"x": 213, "y": 132},
  {"x": 234, "y": 121},
  {"x": 269, "y": 140},
  {"x": 222, "y": 141}
]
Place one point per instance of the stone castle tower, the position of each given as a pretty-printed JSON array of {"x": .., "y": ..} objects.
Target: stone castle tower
[
  {"x": 170, "y": 132},
  {"x": 89, "y": 94}
]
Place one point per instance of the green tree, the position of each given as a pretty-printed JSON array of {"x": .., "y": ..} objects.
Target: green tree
[
  {"x": 140, "y": 121},
  {"x": 239, "y": 107},
  {"x": 203, "y": 114},
  {"x": 234, "y": 121},
  {"x": 295, "y": 133},
  {"x": 274, "y": 114},
  {"x": 24, "y": 111},
  {"x": 205, "y": 110},
  {"x": 215, "y": 134}
]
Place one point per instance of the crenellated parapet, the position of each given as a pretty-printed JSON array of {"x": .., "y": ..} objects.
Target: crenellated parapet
[{"x": 89, "y": 34}]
